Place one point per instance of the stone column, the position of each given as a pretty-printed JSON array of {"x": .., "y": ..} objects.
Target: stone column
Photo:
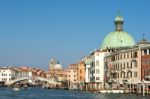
[
  {"x": 133, "y": 87},
  {"x": 139, "y": 89},
  {"x": 147, "y": 89},
  {"x": 142, "y": 52},
  {"x": 143, "y": 89},
  {"x": 148, "y": 52},
  {"x": 130, "y": 88}
]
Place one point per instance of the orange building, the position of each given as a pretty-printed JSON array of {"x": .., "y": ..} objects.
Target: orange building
[{"x": 81, "y": 74}]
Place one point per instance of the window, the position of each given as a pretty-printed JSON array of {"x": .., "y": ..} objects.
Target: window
[
  {"x": 97, "y": 71},
  {"x": 145, "y": 52},
  {"x": 80, "y": 71},
  {"x": 127, "y": 55},
  {"x": 121, "y": 65},
  {"x": 129, "y": 74},
  {"x": 118, "y": 66},
  {"x": 122, "y": 75},
  {"x": 97, "y": 78},
  {"x": 135, "y": 64},
  {"x": 124, "y": 56},
  {"x": 124, "y": 66},
  {"x": 121, "y": 56},
  {"x": 97, "y": 54},
  {"x": 118, "y": 75},
  {"x": 127, "y": 65},
  {"x": 131, "y": 55},
  {"x": 135, "y": 55},
  {"x": 135, "y": 74},
  {"x": 97, "y": 63}
]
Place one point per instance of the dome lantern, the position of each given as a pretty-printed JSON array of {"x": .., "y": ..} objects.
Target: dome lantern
[{"x": 119, "y": 23}]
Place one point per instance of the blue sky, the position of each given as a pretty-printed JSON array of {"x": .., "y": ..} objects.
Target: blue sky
[{"x": 34, "y": 31}]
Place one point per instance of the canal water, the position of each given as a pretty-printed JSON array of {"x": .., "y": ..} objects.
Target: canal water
[{"x": 39, "y": 93}]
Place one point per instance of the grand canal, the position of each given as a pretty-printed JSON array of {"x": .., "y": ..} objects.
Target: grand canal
[{"x": 39, "y": 93}]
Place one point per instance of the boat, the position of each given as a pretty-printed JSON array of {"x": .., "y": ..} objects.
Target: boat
[
  {"x": 25, "y": 86},
  {"x": 16, "y": 89},
  {"x": 111, "y": 91}
]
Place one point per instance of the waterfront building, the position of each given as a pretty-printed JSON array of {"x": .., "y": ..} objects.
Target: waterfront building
[
  {"x": 145, "y": 59},
  {"x": 97, "y": 69},
  {"x": 81, "y": 74},
  {"x": 94, "y": 70},
  {"x": 32, "y": 73},
  {"x": 10, "y": 73},
  {"x": 72, "y": 76},
  {"x": 127, "y": 65},
  {"x": 87, "y": 70},
  {"x": 35, "y": 71},
  {"x": 6, "y": 74},
  {"x": 122, "y": 62},
  {"x": 123, "y": 66}
]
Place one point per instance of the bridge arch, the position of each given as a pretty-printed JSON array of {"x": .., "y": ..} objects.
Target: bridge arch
[{"x": 49, "y": 81}]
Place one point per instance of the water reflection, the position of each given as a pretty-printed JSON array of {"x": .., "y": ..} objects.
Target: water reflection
[{"x": 39, "y": 93}]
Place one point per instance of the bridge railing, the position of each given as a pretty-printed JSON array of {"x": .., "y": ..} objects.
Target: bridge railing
[{"x": 34, "y": 78}]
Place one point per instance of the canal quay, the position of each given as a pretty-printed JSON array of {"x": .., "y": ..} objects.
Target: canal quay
[{"x": 40, "y": 93}]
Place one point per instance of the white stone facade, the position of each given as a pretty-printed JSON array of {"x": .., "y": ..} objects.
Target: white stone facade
[
  {"x": 10, "y": 73},
  {"x": 98, "y": 67},
  {"x": 6, "y": 74}
]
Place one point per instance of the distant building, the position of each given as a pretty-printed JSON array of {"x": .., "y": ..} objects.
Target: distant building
[
  {"x": 72, "y": 76},
  {"x": 52, "y": 64},
  {"x": 6, "y": 74},
  {"x": 10, "y": 73},
  {"x": 56, "y": 72},
  {"x": 81, "y": 74}
]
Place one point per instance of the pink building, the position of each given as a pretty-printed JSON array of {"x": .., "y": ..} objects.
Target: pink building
[{"x": 72, "y": 76}]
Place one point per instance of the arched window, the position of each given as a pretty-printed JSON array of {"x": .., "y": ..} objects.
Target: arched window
[
  {"x": 129, "y": 74},
  {"x": 122, "y": 74}
]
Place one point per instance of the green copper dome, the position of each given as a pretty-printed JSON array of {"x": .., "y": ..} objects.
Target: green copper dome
[
  {"x": 88, "y": 61},
  {"x": 117, "y": 38}
]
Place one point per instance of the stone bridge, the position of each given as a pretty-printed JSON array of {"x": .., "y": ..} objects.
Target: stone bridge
[{"x": 49, "y": 81}]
